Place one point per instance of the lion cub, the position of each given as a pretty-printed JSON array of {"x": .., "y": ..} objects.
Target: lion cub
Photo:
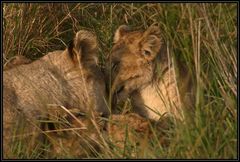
[
  {"x": 144, "y": 71},
  {"x": 70, "y": 78}
]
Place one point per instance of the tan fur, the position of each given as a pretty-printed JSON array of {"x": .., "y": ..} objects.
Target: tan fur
[
  {"x": 133, "y": 131},
  {"x": 77, "y": 135},
  {"x": 135, "y": 57},
  {"x": 160, "y": 97},
  {"x": 69, "y": 78},
  {"x": 80, "y": 136},
  {"x": 15, "y": 61}
]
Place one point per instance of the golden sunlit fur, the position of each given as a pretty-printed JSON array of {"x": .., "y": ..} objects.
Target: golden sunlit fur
[{"x": 143, "y": 70}]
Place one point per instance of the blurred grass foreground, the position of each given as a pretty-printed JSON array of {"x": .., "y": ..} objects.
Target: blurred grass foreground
[{"x": 202, "y": 35}]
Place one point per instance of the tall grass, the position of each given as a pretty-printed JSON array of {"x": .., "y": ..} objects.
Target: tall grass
[{"x": 203, "y": 36}]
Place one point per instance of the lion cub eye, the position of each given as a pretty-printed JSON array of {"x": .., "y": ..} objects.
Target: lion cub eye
[
  {"x": 146, "y": 52},
  {"x": 114, "y": 65}
]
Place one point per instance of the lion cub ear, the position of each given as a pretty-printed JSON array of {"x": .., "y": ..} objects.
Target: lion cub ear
[
  {"x": 120, "y": 32},
  {"x": 151, "y": 42},
  {"x": 84, "y": 48}
]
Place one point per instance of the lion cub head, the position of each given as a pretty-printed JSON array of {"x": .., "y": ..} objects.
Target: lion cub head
[{"x": 133, "y": 59}]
